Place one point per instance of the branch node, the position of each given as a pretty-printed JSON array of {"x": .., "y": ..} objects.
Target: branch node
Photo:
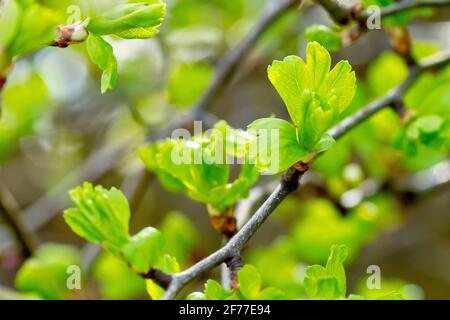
[{"x": 234, "y": 264}]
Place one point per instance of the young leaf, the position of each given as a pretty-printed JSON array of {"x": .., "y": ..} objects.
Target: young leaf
[
  {"x": 329, "y": 282},
  {"x": 35, "y": 27},
  {"x": 130, "y": 20},
  {"x": 314, "y": 95},
  {"x": 101, "y": 53},
  {"x": 101, "y": 216},
  {"x": 45, "y": 273},
  {"x": 144, "y": 250},
  {"x": 198, "y": 167},
  {"x": 335, "y": 267},
  {"x": 277, "y": 145},
  {"x": 324, "y": 35},
  {"x": 249, "y": 282}
]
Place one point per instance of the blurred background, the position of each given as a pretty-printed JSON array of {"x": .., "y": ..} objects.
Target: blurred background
[{"x": 390, "y": 206}]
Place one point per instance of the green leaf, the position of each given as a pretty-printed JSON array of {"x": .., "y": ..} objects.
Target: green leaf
[
  {"x": 101, "y": 53},
  {"x": 35, "y": 28},
  {"x": 214, "y": 291},
  {"x": 45, "y": 274},
  {"x": 154, "y": 291},
  {"x": 277, "y": 147},
  {"x": 329, "y": 282},
  {"x": 101, "y": 216},
  {"x": 314, "y": 95},
  {"x": 198, "y": 167},
  {"x": 325, "y": 143},
  {"x": 324, "y": 35},
  {"x": 335, "y": 267},
  {"x": 9, "y": 20},
  {"x": 144, "y": 249},
  {"x": 115, "y": 279},
  {"x": 249, "y": 282},
  {"x": 131, "y": 20}
]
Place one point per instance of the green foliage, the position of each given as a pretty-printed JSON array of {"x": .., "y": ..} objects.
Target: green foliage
[
  {"x": 328, "y": 282},
  {"x": 21, "y": 112},
  {"x": 181, "y": 236},
  {"x": 429, "y": 131},
  {"x": 398, "y": 19},
  {"x": 102, "y": 216},
  {"x": 198, "y": 167},
  {"x": 130, "y": 20},
  {"x": 250, "y": 288},
  {"x": 390, "y": 289},
  {"x": 144, "y": 249},
  {"x": 101, "y": 53},
  {"x": 45, "y": 274},
  {"x": 30, "y": 26},
  {"x": 116, "y": 280},
  {"x": 314, "y": 96},
  {"x": 324, "y": 35}
]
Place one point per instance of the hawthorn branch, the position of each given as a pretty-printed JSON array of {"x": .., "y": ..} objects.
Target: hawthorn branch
[
  {"x": 343, "y": 15},
  {"x": 8, "y": 210},
  {"x": 290, "y": 181}
]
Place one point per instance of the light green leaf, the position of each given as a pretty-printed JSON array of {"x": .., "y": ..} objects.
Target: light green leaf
[
  {"x": 325, "y": 143},
  {"x": 324, "y": 35},
  {"x": 35, "y": 30},
  {"x": 131, "y": 19},
  {"x": 101, "y": 216},
  {"x": 154, "y": 291},
  {"x": 9, "y": 20},
  {"x": 335, "y": 267},
  {"x": 277, "y": 147},
  {"x": 314, "y": 95},
  {"x": 249, "y": 282},
  {"x": 214, "y": 291},
  {"x": 144, "y": 249},
  {"x": 101, "y": 53},
  {"x": 45, "y": 274},
  {"x": 329, "y": 282}
]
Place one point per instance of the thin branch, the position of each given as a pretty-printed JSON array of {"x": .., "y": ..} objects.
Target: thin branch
[
  {"x": 406, "y": 5},
  {"x": 290, "y": 181},
  {"x": 434, "y": 62},
  {"x": 344, "y": 14},
  {"x": 8, "y": 210}
]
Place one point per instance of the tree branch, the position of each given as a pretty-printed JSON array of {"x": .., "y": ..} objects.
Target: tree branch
[
  {"x": 290, "y": 181},
  {"x": 8, "y": 210}
]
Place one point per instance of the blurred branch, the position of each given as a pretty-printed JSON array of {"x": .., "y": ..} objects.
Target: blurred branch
[
  {"x": 8, "y": 210},
  {"x": 392, "y": 96},
  {"x": 290, "y": 182},
  {"x": 345, "y": 14}
]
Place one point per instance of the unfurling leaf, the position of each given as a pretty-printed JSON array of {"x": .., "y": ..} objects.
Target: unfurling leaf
[
  {"x": 101, "y": 216},
  {"x": 315, "y": 98},
  {"x": 101, "y": 53},
  {"x": 328, "y": 282},
  {"x": 144, "y": 249},
  {"x": 131, "y": 20}
]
